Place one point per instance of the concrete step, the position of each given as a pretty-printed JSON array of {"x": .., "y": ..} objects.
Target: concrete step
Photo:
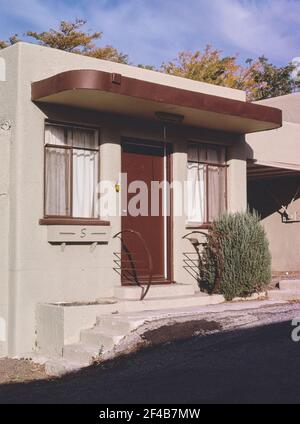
[
  {"x": 81, "y": 353},
  {"x": 286, "y": 294},
  {"x": 289, "y": 285},
  {"x": 61, "y": 366},
  {"x": 114, "y": 322},
  {"x": 103, "y": 339},
  {"x": 155, "y": 291},
  {"x": 199, "y": 299}
]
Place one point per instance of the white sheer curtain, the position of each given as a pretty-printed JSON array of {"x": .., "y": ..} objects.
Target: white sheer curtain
[
  {"x": 195, "y": 186},
  {"x": 196, "y": 194},
  {"x": 84, "y": 168},
  {"x": 203, "y": 187},
  {"x": 216, "y": 183},
  {"x": 56, "y": 173},
  {"x": 216, "y": 192},
  {"x": 84, "y": 172}
]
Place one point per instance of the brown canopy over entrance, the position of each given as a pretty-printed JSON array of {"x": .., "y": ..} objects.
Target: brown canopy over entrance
[{"x": 115, "y": 93}]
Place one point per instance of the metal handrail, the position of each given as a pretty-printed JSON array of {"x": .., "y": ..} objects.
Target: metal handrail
[
  {"x": 145, "y": 290},
  {"x": 195, "y": 242}
]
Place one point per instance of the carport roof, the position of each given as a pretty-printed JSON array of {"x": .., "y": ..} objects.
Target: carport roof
[{"x": 261, "y": 170}]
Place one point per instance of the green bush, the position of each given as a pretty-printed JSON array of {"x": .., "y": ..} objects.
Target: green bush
[{"x": 236, "y": 261}]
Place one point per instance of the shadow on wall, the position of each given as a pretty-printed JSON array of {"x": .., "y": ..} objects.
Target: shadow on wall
[{"x": 267, "y": 196}]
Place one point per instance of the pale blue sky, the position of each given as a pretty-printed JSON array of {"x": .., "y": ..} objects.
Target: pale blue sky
[{"x": 153, "y": 31}]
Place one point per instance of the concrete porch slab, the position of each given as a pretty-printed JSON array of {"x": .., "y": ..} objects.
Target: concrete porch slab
[
  {"x": 286, "y": 294},
  {"x": 226, "y": 307},
  {"x": 289, "y": 285},
  {"x": 59, "y": 325},
  {"x": 289, "y": 290},
  {"x": 156, "y": 291},
  {"x": 120, "y": 334}
]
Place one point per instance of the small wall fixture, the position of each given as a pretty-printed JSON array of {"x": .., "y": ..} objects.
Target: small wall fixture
[
  {"x": 173, "y": 118},
  {"x": 116, "y": 78},
  {"x": 2, "y": 69}
]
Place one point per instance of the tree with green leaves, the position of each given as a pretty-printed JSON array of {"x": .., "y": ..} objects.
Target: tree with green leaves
[
  {"x": 108, "y": 53},
  {"x": 271, "y": 81},
  {"x": 148, "y": 67},
  {"x": 71, "y": 37},
  {"x": 259, "y": 78},
  {"x": 208, "y": 66},
  {"x": 12, "y": 40}
]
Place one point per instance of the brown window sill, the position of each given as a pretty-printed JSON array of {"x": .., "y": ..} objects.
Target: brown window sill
[
  {"x": 73, "y": 221},
  {"x": 198, "y": 227}
]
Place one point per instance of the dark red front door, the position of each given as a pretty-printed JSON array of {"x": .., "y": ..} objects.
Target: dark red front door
[{"x": 145, "y": 162}]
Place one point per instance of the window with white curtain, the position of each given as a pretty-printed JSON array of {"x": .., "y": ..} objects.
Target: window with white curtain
[
  {"x": 71, "y": 171},
  {"x": 206, "y": 183}
]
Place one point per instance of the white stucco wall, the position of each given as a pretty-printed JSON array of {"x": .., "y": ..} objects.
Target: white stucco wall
[
  {"x": 284, "y": 241},
  {"x": 2, "y": 69},
  {"x": 237, "y": 177},
  {"x": 281, "y": 147},
  {"x": 8, "y": 132},
  {"x": 289, "y": 104},
  {"x": 282, "y": 144}
]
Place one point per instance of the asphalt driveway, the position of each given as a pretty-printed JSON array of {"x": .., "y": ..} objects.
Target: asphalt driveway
[{"x": 257, "y": 365}]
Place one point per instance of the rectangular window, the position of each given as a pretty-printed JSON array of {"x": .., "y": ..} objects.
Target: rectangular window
[
  {"x": 71, "y": 171},
  {"x": 206, "y": 184}
]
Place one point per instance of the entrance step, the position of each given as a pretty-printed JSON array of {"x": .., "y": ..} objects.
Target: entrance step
[
  {"x": 102, "y": 337},
  {"x": 67, "y": 321},
  {"x": 62, "y": 366},
  {"x": 155, "y": 291},
  {"x": 199, "y": 299},
  {"x": 288, "y": 290},
  {"x": 82, "y": 353},
  {"x": 111, "y": 329},
  {"x": 289, "y": 285},
  {"x": 124, "y": 317},
  {"x": 117, "y": 323},
  {"x": 107, "y": 333},
  {"x": 286, "y": 294}
]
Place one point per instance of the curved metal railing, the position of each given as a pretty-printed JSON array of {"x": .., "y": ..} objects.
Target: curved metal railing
[
  {"x": 219, "y": 263},
  {"x": 132, "y": 270}
]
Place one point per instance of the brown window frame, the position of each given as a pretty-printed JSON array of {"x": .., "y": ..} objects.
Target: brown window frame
[
  {"x": 69, "y": 219},
  {"x": 207, "y": 224}
]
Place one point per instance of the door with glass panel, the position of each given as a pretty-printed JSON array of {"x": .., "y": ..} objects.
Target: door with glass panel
[{"x": 71, "y": 171}]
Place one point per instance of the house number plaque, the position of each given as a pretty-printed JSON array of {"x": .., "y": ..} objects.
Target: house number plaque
[{"x": 77, "y": 234}]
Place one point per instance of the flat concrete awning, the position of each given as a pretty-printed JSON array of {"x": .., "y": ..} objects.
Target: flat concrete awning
[
  {"x": 114, "y": 93},
  {"x": 257, "y": 170}
]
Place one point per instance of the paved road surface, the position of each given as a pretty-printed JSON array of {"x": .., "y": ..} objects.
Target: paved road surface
[{"x": 254, "y": 365}]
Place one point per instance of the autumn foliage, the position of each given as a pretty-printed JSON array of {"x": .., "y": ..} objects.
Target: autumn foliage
[
  {"x": 71, "y": 38},
  {"x": 259, "y": 78}
]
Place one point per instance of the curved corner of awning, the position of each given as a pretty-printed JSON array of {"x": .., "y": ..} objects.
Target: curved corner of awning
[{"x": 116, "y": 93}]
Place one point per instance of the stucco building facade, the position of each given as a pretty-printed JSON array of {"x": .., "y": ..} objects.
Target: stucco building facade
[
  {"x": 59, "y": 109},
  {"x": 274, "y": 184}
]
